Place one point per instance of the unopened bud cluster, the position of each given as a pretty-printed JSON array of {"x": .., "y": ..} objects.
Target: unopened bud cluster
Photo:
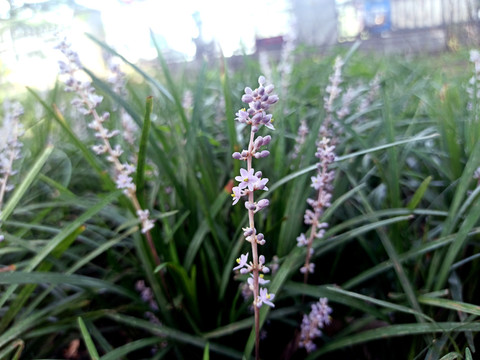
[
  {"x": 249, "y": 181},
  {"x": 86, "y": 101}
]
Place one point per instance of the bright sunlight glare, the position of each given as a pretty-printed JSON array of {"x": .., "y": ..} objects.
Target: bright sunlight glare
[{"x": 231, "y": 24}]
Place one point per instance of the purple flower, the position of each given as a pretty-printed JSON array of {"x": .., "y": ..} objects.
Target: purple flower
[
  {"x": 302, "y": 240},
  {"x": 308, "y": 268},
  {"x": 237, "y": 193},
  {"x": 317, "y": 181},
  {"x": 265, "y": 298},
  {"x": 242, "y": 116},
  {"x": 260, "y": 184},
  {"x": 241, "y": 261},
  {"x": 247, "y": 179},
  {"x": 147, "y": 224}
]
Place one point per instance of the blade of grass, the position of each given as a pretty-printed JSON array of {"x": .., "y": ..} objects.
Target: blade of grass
[
  {"x": 384, "y": 304},
  {"x": 456, "y": 246},
  {"x": 25, "y": 293},
  {"x": 206, "y": 352},
  {"x": 147, "y": 77},
  {"x": 386, "y": 332},
  {"x": 65, "y": 232},
  {"x": 130, "y": 347},
  {"x": 142, "y": 152},
  {"x": 174, "y": 334},
  {"x": 419, "y": 193},
  {"x": 27, "y": 181},
  {"x": 202, "y": 231},
  {"x": 349, "y": 156},
  {"x": 17, "y": 344},
  {"x": 439, "y": 266},
  {"x": 170, "y": 83},
  {"x": 20, "y": 277},
  {"x": 450, "y": 304},
  {"x": 88, "y": 340}
]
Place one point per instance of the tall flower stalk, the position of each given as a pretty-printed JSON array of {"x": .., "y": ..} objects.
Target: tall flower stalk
[
  {"x": 86, "y": 101},
  {"x": 259, "y": 102},
  {"x": 10, "y": 148},
  {"x": 322, "y": 181},
  {"x": 10, "y": 145},
  {"x": 312, "y": 324}
]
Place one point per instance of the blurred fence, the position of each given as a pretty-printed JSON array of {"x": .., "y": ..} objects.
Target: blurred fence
[
  {"x": 408, "y": 25},
  {"x": 418, "y": 14}
]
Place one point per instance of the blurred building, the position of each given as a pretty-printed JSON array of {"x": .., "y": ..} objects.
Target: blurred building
[
  {"x": 388, "y": 25},
  {"x": 315, "y": 22}
]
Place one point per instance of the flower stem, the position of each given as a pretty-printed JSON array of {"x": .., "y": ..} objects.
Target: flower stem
[{"x": 251, "y": 219}]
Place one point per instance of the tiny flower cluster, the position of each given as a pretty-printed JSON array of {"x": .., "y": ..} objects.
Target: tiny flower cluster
[
  {"x": 322, "y": 183},
  {"x": 473, "y": 88},
  {"x": 259, "y": 101},
  {"x": 300, "y": 139},
  {"x": 146, "y": 294},
  {"x": 10, "y": 145},
  {"x": 117, "y": 79},
  {"x": 249, "y": 181},
  {"x": 333, "y": 90},
  {"x": 374, "y": 88},
  {"x": 313, "y": 323},
  {"x": 86, "y": 101}
]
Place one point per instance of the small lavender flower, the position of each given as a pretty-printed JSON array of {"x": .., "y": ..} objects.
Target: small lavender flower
[
  {"x": 259, "y": 102},
  {"x": 312, "y": 324},
  {"x": 265, "y": 298},
  {"x": 86, "y": 102}
]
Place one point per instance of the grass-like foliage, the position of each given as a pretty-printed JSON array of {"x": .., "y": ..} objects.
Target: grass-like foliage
[{"x": 126, "y": 250}]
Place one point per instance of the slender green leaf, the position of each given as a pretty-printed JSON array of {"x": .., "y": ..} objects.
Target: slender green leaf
[
  {"x": 27, "y": 181},
  {"x": 174, "y": 334},
  {"x": 206, "y": 352},
  {"x": 142, "y": 152},
  {"x": 386, "y": 332},
  {"x": 418, "y": 195},
  {"x": 126, "y": 349},
  {"x": 88, "y": 340},
  {"x": 147, "y": 77}
]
